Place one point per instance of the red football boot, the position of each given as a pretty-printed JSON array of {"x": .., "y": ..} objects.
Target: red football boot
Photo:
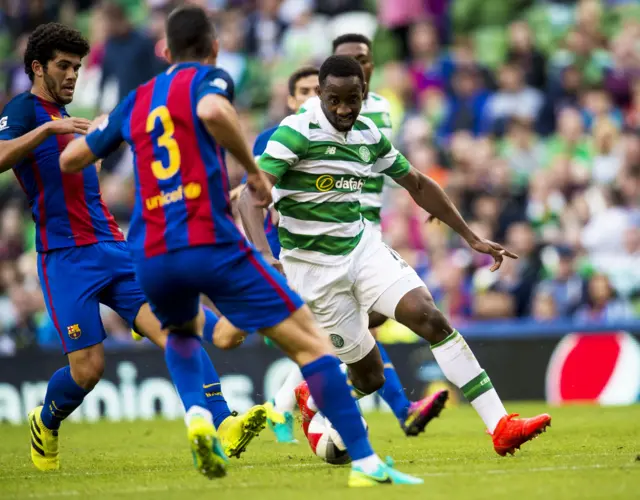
[
  {"x": 511, "y": 432},
  {"x": 302, "y": 397}
]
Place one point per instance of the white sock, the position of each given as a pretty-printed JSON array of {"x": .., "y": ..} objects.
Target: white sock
[
  {"x": 197, "y": 411},
  {"x": 368, "y": 464},
  {"x": 311, "y": 404},
  {"x": 462, "y": 369},
  {"x": 285, "y": 399}
]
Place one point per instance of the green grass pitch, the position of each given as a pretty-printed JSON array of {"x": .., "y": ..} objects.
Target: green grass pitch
[{"x": 589, "y": 452}]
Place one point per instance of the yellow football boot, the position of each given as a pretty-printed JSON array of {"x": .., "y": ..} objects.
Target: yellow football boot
[
  {"x": 44, "y": 443},
  {"x": 136, "y": 336},
  {"x": 208, "y": 456},
  {"x": 237, "y": 431}
]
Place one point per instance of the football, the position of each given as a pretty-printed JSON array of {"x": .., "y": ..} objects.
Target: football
[{"x": 325, "y": 441}]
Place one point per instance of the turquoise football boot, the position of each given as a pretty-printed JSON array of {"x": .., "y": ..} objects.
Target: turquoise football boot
[
  {"x": 385, "y": 474},
  {"x": 281, "y": 424}
]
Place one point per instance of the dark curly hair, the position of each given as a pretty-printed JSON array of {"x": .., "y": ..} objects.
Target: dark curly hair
[
  {"x": 47, "y": 39},
  {"x": 340, "y": 66}
]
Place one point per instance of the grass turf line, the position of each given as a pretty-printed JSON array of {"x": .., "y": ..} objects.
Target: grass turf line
[{"x": 589, "y": 452}]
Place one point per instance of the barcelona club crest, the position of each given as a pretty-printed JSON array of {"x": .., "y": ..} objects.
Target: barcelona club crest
[{"x": 74, "y": 331}]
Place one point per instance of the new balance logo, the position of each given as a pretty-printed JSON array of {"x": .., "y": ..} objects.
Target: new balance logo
[{"x": 331, "y": 150}]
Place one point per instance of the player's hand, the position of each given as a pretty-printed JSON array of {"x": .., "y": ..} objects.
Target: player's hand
[
  {"x": 97, "y": 121},
  {"x": 498, "y": 252},
  {"x": 272, "y": 261},
  {"x": 260, "y": 188},
  {"x": 234, "y": 194},
  {"x": 69, "y": 126}
]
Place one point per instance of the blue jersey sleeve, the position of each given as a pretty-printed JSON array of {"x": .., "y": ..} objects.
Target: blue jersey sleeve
[
  {"x": 260, "y": 145},
  {"x": 17, "y": 118},
  {"x": 215, "y": 81},
  {"x": 108, "y": 136},
  {"x": 262, "y": 140}
]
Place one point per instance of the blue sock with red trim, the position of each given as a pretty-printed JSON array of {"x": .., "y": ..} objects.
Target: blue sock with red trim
[
  {"x": 62, "y": 398},
  {"x": 184, "y": 361},
  {"x": 332, "y": 396},
  {"x": 392, "y": 391}
]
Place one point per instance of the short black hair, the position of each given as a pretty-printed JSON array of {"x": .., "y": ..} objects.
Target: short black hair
[
  {"x": 351, "y": 38},
  {"x": 47, "y": 39},
  {"x": 341, "y": 66},
  {"x": 190, "y": 33},
  {"x": 299, "y": 75}
]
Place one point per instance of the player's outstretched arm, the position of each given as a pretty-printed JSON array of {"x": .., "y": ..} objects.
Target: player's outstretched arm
[
  {"x": 252, "y": 217},
  {"x": 430, "y": 196},
  {"x": 76, "y": 156},
  {"x": 14, "y": 150},
  {"x": 103, "y": 136}
]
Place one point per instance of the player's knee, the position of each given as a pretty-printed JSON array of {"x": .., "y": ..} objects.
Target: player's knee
[
  {"x": 299, "y": 336},
  {"x": 88, "y": 372},
  {"x": 87, "y": 366},
  {"x": 424, "y": 318},
  {"x": 314, "y": 340},
  {"x": 369, "y": 382},
  {"x": 226, "y": 335},
  {"x": 229, "y": 340}
]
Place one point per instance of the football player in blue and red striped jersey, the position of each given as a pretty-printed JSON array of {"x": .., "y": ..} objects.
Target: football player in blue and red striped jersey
[
  {"x": 83, "y": 260},
  {"x": 184, "y": 241}
]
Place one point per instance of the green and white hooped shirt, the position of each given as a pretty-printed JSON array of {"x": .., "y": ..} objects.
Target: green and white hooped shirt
[
  {"x": 377, "y": 109},
  {"x": 321, "y": 174}
]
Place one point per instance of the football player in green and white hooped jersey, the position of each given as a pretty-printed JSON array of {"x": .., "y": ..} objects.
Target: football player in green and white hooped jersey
[
  {"x": 412, "y": 416},
  {"x": 376, "y": 108},
  {"x": 318, "y": 161}
]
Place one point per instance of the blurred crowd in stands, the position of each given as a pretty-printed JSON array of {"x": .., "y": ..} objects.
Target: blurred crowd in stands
[{"x": 526, "y": 111}]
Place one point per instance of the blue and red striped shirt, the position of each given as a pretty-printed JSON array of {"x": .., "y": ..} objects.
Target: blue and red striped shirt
[
  {"x": 181, "y": 182},
  {"x": 67, "y": 208}
]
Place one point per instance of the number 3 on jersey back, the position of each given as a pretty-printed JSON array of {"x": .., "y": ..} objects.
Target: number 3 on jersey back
[{"x": 165, "y": 141}]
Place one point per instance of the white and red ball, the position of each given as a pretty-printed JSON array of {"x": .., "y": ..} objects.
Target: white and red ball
[{"x": 325, "y": 441}]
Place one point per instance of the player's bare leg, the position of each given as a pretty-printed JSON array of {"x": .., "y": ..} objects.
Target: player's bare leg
[
  {"x": 413, "y": 416},
  {"x": 304, "y": 343},
  {"x": 417, "y": 311},
  {"x": 225, "y": 335},
  {"x": 235, "y": 431},
  {"x": 87, "y": 366},
  {"x": 367, "y": 376}
]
